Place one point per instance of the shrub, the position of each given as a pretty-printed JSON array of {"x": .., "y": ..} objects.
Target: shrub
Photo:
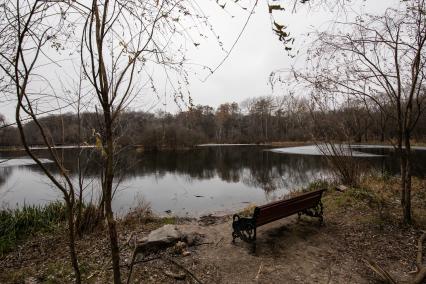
[
  {"x": 90, "y": 218},
  {"x": 140, "y": 212},
  {"x": 347, "y": 168}
]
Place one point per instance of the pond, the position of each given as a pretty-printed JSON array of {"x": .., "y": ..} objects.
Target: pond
[{"x": 209, "y": 179}]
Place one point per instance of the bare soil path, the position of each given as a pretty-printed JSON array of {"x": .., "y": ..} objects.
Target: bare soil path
[{"x": 292, "y": 251}]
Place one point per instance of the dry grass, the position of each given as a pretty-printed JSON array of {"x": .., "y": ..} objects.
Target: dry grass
[
  {"x": 377, "y": 200},
  {"x": 140, "y": 212},
  {"x": 247, "y": 211}
]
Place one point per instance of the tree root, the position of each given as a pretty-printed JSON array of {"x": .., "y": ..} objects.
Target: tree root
[
  {"x": 420, "y": 271},
  {"x": 383, "y": 274},
  {"x": 183, "y": 268}
]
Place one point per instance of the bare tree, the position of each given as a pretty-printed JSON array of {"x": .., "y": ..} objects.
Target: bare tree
[
  {"x": 120, "y": 41},
  {"x": 26, "y": 31},
  {"x": 380, "y": 59}
]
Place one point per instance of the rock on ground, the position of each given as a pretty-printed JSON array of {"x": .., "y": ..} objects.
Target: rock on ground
[{"x": 169, "y": 235}]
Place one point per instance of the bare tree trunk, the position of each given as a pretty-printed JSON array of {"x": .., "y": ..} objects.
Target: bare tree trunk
[
  {"x": 407, "y": 180},
  {"x": 71, "y": 243},
  {"x": 80, "y": 198},
  {"x": 109, "y": 177},
  {"x": 403, "y": 163},
  {"x": 80, "y": 177},
  {"x": 115, "y": 252}
]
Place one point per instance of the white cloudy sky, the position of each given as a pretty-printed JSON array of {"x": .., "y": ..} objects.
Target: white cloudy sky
[{"x": 258, "y": 52}]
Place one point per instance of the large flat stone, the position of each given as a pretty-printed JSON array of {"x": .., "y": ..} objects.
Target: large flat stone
[
  {"x": 169, "y": 235},
  {"x": 166, "y": 234}
]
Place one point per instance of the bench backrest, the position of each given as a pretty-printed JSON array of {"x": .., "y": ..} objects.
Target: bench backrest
[{"x": 276, "y": 210}]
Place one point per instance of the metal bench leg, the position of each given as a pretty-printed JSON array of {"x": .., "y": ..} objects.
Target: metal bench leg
[
  {"x": 234, "y": 236},
  {"x": 320, "y": 213},
  {"x": 316, "y": 211},
  {"x": 254, "y": 241},
  {"x": 244, "y": 229}
]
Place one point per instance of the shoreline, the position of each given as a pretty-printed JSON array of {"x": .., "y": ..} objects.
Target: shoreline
[
  {"x": 378, "y": 144},
  {"x": 355, "y": 230}
]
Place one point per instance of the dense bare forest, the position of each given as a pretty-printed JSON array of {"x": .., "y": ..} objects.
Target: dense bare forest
[{"x": 257, "y": 120}]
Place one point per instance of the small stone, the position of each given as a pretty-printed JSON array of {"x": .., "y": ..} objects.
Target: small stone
[
  {"x": 177, "y": 276},
  {"x": 186, "y": 253},
  {"x": 31, "y": 280},
  {"x": 192, "y": 238},
  {"x": 180, "y": 247},
  {"x": 341, "y": 188}
]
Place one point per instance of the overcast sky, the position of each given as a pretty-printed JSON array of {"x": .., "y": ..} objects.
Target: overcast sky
[{"x": 258, "y": 52}]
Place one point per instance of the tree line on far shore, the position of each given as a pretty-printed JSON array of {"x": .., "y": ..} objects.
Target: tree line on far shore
[{"x": 257, "y": 120}]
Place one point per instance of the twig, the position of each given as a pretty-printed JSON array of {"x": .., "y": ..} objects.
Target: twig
[
  {"x": 183, "y": 268},
  {"x": 134, "y": 262},
  {"x": 219, "y": 241},
  {"x": 258, "y": 272},
  {"x": 91, "y": 275},
  {"x": 200, "y": 244},
  {"x": 384, "y": 275},
  {"x": 139, "y": 261},
  {"x": 421, "y": 268},
  {"x": 147, "y": 260},
  {"x": 419, "y": 259},
  {"x": 130, "y": 238},
  {"x": 329, "y": 274}
]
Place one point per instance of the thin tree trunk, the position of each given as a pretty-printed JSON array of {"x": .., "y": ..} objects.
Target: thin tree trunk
[
  {"x": 109, "y": 177},
  {"x": 407, "y": 183},
  {"x": 115, "y": 252},
  {"x": 403, "y": 166},
  {"x": 80, "y": 178},
  {"x": 71, "y": 243}
]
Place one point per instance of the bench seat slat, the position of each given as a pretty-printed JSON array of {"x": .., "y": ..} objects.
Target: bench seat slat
[
  {"x": 303, "y": 196},
  {"x": 281, "y": 210}
]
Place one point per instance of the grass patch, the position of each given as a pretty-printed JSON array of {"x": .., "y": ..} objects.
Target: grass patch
[
  {"x": 18, "y": 224},
  {"x": 169, "y": 220},
  {"x": 377, "y": 201}
]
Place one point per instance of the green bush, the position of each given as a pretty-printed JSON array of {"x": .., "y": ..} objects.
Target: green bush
[{"x": 18, "y": 224}]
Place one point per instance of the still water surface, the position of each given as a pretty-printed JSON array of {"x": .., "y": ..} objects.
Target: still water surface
[{"x": 194, "y": 182}]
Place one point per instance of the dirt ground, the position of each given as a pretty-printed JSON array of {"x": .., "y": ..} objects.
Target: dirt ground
[
  {"x": 291, "y": 251},
  {"x": 288, "y": 251}
]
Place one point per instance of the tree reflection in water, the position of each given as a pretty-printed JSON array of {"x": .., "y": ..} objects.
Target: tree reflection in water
[
  {"x": 209, "y": 169},
  {"x": 5, "y": 172}
]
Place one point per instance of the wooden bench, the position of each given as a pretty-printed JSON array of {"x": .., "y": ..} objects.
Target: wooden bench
[{"x": 308, "y": 203}]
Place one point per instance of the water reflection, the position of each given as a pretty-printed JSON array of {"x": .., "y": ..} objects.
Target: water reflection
[
  {"x": 389, "y": 162},
  {"x": 191, "y": 182},
  {"x": 4, "y": 174}
]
